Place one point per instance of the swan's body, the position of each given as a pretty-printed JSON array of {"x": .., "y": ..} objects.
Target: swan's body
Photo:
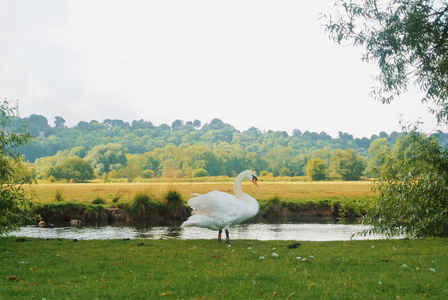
[{"x": 218, "y": 210}]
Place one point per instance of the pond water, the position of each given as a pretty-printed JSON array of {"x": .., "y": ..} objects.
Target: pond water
[{"x": 257, "y": 231}]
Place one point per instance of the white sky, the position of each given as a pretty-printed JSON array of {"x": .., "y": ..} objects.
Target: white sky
[{"x": 267, "y": 64}]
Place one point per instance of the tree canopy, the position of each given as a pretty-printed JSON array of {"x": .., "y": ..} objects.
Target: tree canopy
[
  {"x": 408, "y": 39},
  {"x": 142, "y": 149}
]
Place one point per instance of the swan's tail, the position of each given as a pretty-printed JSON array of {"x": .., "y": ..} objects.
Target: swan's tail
[
  {"x": 196, "y": 220},
  {"x": 187, "y": 223}
]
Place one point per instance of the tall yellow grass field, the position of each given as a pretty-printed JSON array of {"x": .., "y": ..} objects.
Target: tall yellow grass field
[{"x": 287, "y": 191}]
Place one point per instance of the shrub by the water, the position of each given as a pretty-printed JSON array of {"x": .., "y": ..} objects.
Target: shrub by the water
[
  {"x": 352, "y": 208},
  {"x": 174, "y": 202},
  {"x": 117, "y": 196},
  {"x": 98, "y": 200},
  {"x": 413, "y": 194},
  {"x": 142, "y": 205}
]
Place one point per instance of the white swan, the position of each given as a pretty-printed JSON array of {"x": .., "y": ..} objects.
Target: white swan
[{"x": 218, "y": 210}]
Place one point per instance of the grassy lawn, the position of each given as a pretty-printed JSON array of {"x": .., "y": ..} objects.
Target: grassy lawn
[
  {"x": 205, "y": 269},
  {"x": 286, "y": 191}
]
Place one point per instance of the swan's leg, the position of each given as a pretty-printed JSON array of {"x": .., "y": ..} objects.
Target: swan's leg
[
  {"x": 219, "y": 235},
  {"x": 228, "y": 236}
]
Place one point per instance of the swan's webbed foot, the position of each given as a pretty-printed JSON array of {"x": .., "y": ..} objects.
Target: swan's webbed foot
[{"x": 228, "y": 241}]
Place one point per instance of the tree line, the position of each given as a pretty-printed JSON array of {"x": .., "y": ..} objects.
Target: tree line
[{"x": 117, "y": 149}]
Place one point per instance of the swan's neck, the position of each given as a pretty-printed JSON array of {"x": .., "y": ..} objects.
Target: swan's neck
[{"x": 238, "y": 191}]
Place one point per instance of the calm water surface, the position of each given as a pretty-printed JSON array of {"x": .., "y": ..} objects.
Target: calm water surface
[{"x": 258, "y": 231}]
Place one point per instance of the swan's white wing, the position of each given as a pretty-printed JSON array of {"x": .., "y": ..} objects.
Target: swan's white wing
[
  {"x": 215, "y": 210},
  {"x": 216, "y": 203}
]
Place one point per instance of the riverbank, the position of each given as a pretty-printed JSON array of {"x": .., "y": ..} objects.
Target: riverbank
[
  {"x": 198, "y": 269},
  {"x": 272, "y": 212},
  {"x": 279, "y": 201}
]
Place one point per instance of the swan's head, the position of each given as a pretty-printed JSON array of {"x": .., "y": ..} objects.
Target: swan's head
[
  {"x": 255, "y": 180},
  {"x": 250, "y": 176}
]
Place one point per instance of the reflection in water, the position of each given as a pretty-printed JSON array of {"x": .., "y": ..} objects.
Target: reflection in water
[{"x": 301, "y": 232}]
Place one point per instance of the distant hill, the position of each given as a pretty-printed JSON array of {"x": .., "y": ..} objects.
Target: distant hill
[{"x": 142, "y": 136}]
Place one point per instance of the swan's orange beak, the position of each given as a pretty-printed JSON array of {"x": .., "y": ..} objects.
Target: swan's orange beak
[{"x": 255, "y": 181}]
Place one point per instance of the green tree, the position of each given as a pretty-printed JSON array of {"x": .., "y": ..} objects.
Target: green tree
[
  {"x": 232, "y": 159},
  {"x": 43, "y": 164},
  {"x": 77, "y": 169},
  {"x": 413, "y": 194},
  {"x": 379, "y": 149},
  {"x": 177, "y": 124},
  {"x": 278, "y": 158},
  {"x": 105, "y": 158},
  {"x": 346, "y": 165},
  {"x": 406, "y": 38},
  {"x": 170, "y": 168},
  {"x": 23, "y": 172},
  {"x": 79, "y": 151},
  {"x": 315, "y": 169},
  {"x": 55, "y": 173},
  {"x": 59, "y": 122},
  {"x": 15, "y": 207},
  {"x": 255, "y": 162},
  {"x": 199, "y": 173},
  {"x": 134, "y": 166},
  {"x": 196, "y": 157},
  {"x": 74, "y": 168},
  {"x": 298, "y": 165},
  {"x": 285, "y": 172}
]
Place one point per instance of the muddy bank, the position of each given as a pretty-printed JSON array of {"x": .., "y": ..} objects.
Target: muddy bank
[{"x": 163, "y": 215}]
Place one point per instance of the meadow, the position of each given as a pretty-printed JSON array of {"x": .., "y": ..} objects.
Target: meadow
[
  {"x": 206, "y": 269},
  {"x": 286, "y": 191}
]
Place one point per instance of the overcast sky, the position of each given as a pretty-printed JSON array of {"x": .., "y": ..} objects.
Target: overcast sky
[{"x": 267, "y": 64}]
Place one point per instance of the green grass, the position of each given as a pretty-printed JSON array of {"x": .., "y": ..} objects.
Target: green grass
[{"x": 198, "y": 269}]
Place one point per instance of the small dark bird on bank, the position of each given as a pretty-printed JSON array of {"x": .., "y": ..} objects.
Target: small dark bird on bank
[{"x": 293, "y": 246}]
